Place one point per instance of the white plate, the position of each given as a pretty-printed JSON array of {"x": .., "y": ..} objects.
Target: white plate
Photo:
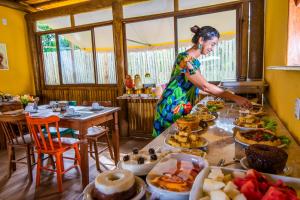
[
  {"x": 210, "y": 120},
  {"x": 141, "y": 190},
  {"x": 197, "y": 130},
  {"x": 245, "y": 144},
  {"x": 197, "y": 190},
  {"x": 200, "y": 129},
  {"x": 166, "y": 163},
  {"x": 169, "y": 135},
  {"x": 139, "y": 169},
  {"x": 99, "y": 108},
  {"x": 244, "y": 163},
  {"x": 244, "y": 128}
]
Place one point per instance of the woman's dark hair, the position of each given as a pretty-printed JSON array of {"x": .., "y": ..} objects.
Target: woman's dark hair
[{"x": 206, "y": 32}]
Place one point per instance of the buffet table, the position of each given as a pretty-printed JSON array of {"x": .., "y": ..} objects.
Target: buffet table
[{"x": 223, "y": 146}]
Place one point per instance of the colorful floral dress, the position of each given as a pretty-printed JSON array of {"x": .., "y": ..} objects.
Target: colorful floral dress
[{"x": 178, "y": 97}]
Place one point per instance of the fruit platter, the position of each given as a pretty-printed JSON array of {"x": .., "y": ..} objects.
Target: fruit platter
[{"x": 215, "y": 183}]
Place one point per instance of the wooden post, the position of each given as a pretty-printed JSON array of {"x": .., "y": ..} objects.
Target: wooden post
[
  {"x": 176, "y": 47},
  {"x": 257, "y": 39},
  {"x": 31, "y": 27},
  {"x": 118, "y": 43},
  {"x": 244, "y": 41},
  {"x": 119, "y": 56}
]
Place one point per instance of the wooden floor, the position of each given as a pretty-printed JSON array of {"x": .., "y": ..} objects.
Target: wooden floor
[{"x": 18, "y": 186}]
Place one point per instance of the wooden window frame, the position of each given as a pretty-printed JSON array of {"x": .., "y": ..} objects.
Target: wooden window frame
[
  {"x": 72, "y": 29},
  {"x": 177, "y": 14},
  {"x": 241, "y": 35}
]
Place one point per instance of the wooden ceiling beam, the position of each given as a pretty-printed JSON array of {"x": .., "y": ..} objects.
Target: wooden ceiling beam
[
  {"x": 77, "y": 8},
  {"x": 46, "y": 3},
  {"x": 17, "y": 6}
]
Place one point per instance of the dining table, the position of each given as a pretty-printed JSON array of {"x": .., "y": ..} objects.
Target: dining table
[
  {"x": 222, "y": 144},
  {"x": 85, "y": 118}
]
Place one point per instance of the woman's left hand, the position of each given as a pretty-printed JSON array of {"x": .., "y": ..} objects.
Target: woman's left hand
[{"x": 243, "y": 102}]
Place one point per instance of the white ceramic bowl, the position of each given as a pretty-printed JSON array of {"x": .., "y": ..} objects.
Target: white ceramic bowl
[{"x": 166, "y": 163}]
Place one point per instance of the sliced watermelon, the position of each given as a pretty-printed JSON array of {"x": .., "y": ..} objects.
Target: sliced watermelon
[
  {"x": 275, "y": 193},
  {"x": 253, "y": 174},
  {"x": 251, "y": 190},
  {"x": 239, "y": 182},
  {"x": 255, "y": 186}
]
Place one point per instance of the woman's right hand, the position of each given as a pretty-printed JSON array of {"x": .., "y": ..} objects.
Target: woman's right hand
[{"x": 243, "y": 102}]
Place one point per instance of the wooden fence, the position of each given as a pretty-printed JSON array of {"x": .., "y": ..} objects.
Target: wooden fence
[{"x": 220, "y": 65}]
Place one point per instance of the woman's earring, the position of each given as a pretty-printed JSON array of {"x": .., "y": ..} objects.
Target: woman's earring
[{"x": 200, "y": 46}]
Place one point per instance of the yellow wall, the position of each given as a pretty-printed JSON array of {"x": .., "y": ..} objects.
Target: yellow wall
[
  {"x": 284, "y": 85},
  {"x": 19, "y": 78}
]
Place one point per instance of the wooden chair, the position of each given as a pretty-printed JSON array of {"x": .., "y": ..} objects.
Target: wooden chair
[
  {"x": 56, "y": 147},
  {"x": 97, "y": 132},
  {"x": 14, "y": 128}
]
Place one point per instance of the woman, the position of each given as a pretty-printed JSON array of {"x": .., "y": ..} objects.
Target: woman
[{"x": 180, "y": 93}]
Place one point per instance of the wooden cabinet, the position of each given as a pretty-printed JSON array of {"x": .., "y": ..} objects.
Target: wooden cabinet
[{"x": 140, "y": 116}]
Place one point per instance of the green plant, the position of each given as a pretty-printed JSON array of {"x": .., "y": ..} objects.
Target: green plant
[
  {"x": 25, "y": 99},
  {"x": 270, "y": 124},
  {"x": 212, "y": 108},
  {"x": 284, "y": 140}
]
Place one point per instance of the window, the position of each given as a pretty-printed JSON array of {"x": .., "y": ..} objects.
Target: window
[
  {"x": 93, "y": 17},
  {"x": 106, "y": 69},
  {"x": 51, "y": 71},
  {"x": 76, "y": 58},
  {"x": 187, "y": 4},
  {"x": 148, "y": 8},
  {"x": 221, "y": 64},
  {"x": 85, "y": 55},
  {"x": 53, "y": 23},
  {"x": 150, "y": 48}
]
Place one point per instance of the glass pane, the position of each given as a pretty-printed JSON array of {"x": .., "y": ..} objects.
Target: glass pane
[
  {"x": 150, "y": 48},
  {"x": 106, "y": 68},
  {"x": 187, "y": 4},
  {"x": 53, "y": 23},
  {"x": 76, "y": 58},
  {"x": 50, "y": 59},
  {"x": 220, "y": 64},
  {"x": 148, "y": 8},
  {"x": 93, "y": 17}
]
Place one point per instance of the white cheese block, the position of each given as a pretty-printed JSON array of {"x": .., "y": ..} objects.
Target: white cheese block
[
  {"x": 240, "y": 197},
  {"x": 216, "y": 174},
  {"x": 218, "y": 195},
  {"x": 231, "y": 190},
  {"x": 211, "y": 185}
]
